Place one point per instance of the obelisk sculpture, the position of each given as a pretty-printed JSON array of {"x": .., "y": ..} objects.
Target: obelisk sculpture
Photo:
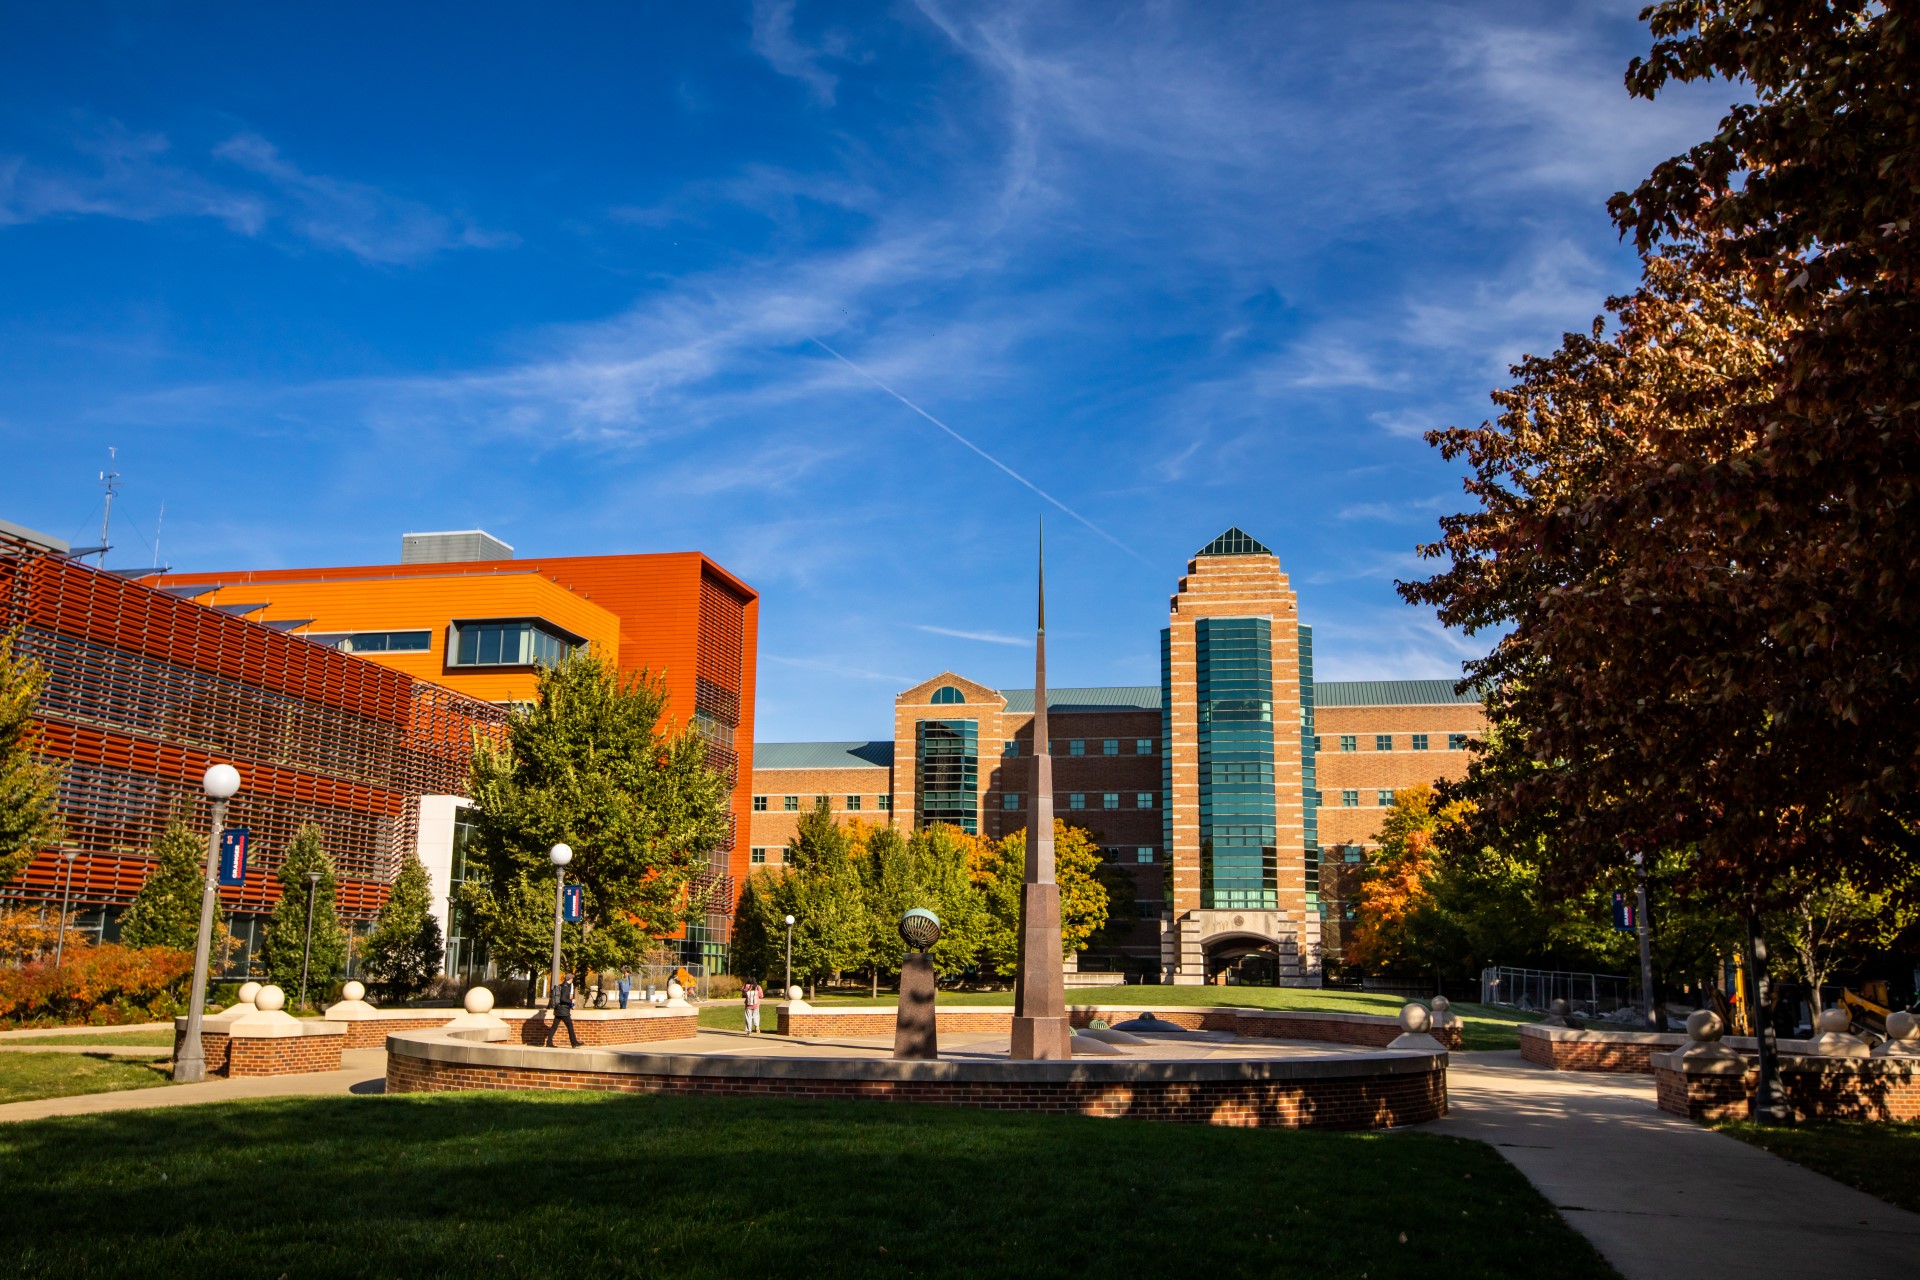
[{"x": 1039, "y": 992}]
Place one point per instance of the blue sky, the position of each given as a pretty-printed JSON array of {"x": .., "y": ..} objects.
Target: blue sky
[{"x": 328, "y": 274}]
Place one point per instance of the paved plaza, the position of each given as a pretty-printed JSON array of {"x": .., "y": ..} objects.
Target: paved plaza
[{"x": 1659, "y": 1195}]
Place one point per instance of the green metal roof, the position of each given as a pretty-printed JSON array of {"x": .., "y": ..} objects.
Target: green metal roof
[
  {"x": 1133, "y": 697},
  {"x": 822, "y": 755},
  {"x": 1388, "y": 693},
  {"x": 1235, "y": 542}
]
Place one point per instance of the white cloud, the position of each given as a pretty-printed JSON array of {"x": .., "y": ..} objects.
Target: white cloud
[
  {"x": 133, "y": 181},
  {"x": 985, "y": 637},
  {"x": 774, "y": 40}
]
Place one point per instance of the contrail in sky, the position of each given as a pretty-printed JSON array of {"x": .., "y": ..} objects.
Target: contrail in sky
[{"x": 976, "y": 448}]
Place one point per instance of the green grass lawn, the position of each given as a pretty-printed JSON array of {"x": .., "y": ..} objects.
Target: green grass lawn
[
  {"x": 583, "y": 1185},
  {"x": 1482, "y": 1026},
  {"x": 1880, "y": 1159},
  {"x": 159, "y": 1039},
  {"x": 24, "y": 1076}
]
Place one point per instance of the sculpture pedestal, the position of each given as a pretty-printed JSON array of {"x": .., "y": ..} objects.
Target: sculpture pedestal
[{"x": 915, "y": 1033}]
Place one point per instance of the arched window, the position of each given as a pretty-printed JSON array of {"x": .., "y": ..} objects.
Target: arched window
[{"x": 945, "y": 694}]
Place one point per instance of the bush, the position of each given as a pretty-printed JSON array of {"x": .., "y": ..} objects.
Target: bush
[
  {"x": 101, "y": 985},
  {"x": 723, "y": 986}
]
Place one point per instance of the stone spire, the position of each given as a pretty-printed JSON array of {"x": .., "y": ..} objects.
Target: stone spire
[{"x": 1039, "y": 991}]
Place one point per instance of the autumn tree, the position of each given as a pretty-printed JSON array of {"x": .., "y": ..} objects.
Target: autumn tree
[
  {"x": 592, "y": 764},
  {"x": 1394, "y": 887},
  {"x": 29, "y": 786},
  {"x": 402, "y": 954},
  {"x": 1083, "y": 898},
  {"x": 307, "y": 875}
]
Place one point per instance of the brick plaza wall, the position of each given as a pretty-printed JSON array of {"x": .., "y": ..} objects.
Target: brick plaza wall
[
  {"x": 1625, "y": 1052},
  {"x": 601, "y": 1029},
  {"x": 1357, "y": 1029},
  {"x": 283, "y": 1055},
  {"x": 213, "y": 1044},
  {"x": 1339, "y": 1102},
  {"x": 1882, "y": 1089},
  {"x": 371, "y": 1033}
]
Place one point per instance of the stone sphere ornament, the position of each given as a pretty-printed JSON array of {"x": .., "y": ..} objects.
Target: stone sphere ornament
[
  {"x": 354, "y": 991},
  {"x": 270, "y": 999},
  {"x": 1704, "y": 1026},
  {"x": 1414, "y": 1019},
  {"x": 1902, "y": 1026},
  {"x": 920, "y": 928},
  {"x": 249, "y": 992},
  {"x": 794, "y": 992},
  {"x": 479, "y": 1000},
  {"x": 1833, "y": 1021}
]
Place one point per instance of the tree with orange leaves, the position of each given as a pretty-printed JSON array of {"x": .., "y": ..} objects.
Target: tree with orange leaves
[{"x": 1395, "y": 885}]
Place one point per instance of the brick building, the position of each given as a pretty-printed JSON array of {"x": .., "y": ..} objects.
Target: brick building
[{"x": 1217, "y": 792}]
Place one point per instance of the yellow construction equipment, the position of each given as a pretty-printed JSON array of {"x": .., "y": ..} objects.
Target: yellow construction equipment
[{"x": 1867, "y": 1014}]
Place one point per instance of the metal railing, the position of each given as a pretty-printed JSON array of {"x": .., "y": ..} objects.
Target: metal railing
[{"x": 1589, "y": 994}]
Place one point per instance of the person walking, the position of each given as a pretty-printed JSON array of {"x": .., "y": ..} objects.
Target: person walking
[
  {"x": 751, "y": 994},
  {"x": 563, "y": 1012},
  {"x": 625, "y": 986}
]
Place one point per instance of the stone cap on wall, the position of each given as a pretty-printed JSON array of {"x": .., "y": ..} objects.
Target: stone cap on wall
[
  {"x": 634, "y": 1014},
  {"x": 1595, "y": 1036},
  {"x": 260, "y": 1025},
  {"x": 1238, "y": 1011},
  {"x": 437, "y": 1047},
  {"x": 1799, "y": 1063}
]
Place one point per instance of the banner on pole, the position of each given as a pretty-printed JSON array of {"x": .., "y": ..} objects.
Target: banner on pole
[
  {"x": 571, "y": 904},
  {"x": 1625, "y": 913},
  {"x": 233, "y": 856}
]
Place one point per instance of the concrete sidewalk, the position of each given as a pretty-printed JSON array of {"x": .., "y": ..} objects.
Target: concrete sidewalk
[
  {"x": 1660, "y": 1196},
  {"x": 363, "y": 1071}
]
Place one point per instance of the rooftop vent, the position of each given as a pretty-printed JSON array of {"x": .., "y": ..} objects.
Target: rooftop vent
[{"x": 459, "y": 544}]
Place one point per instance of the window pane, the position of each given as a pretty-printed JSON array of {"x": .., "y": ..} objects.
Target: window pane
[
  {"x": 489, "y": 646},
  {"x": 1110, "y": 747},
  {"x": 1349, "y": 742},
  {"x": 1383, "y": 742},
  {"x": 1077, "y": 800},
  {"x": 853, "y": 804},
  {"x": 1144, "y": 800},
  {"x": 469, "y": 646},
  {"x": 760, "y": 804},
  {"x": 1143, "y": 746},
  {"x": 1110, "y": 800},
  {"x": 1076, "y": 747},
  {"x": 1143, "y": 855}
]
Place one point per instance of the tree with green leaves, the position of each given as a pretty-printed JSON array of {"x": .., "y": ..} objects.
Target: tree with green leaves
[
  {"x": 823, "y": 892},
  {"x": 29, "y": 786},
  {"x": 932, "y": 868},
  {"x": 1083, "y": 898},
  {"x": 307, "y": 869},
  {"x": 166, "y": 910},
  {"x": 593, "y": 764},
  {"x": 402, "y": 955}
]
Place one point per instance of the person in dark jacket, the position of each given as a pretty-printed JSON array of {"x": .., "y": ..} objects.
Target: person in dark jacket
[{"x": 563, "y": 1011}]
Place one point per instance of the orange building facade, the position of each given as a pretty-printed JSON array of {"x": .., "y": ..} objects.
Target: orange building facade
[
  {"x": 145, "y": 690},
  {"x": 482, "y": 627}
]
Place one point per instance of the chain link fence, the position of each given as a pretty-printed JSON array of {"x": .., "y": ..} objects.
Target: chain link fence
[{"x": 1590, "y": 995}]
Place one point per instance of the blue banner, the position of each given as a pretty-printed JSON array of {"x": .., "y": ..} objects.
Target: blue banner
[
  {"x": 571, "y": 904},
  {"x": 233, "y": 857},
  {"x": 1625, "y": 915}
]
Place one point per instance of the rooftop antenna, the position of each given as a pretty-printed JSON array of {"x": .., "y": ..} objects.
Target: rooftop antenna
[
  {"x": 158, "y": 521},
  {"x": 109, "y": 480}
]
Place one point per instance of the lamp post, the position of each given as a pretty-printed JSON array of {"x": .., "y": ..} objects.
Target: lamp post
[
  {"x": 1646, "y": 942},
  {"x": 66, "y": 893},
  {"x": 560, "y": 856},
  {"x": 306, "y": 951},
  {"x": 789, "y": 985},
  {"x": 221, "y": 783}
]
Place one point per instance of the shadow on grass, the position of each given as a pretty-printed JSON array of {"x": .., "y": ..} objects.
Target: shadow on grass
[{"x": 520, "y": 1185}]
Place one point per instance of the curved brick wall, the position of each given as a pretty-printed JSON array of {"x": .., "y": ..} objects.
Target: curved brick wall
[{"x": 1345, "y": 1092}]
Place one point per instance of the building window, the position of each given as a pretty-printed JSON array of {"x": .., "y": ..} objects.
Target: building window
[
  {"x": 513, "y": 642},
  {"x": 1238, "y": 835},
  {"x": 759, "y": 804},
  {"x": 1144, "y": 800},
  {"x": 759, "y": 857},
  {"x": 1076, "y": 746},
  {"x": 1350, "y": 799},
  {"x": 1077, "y": 800},
  {"x": 1110, "y": 746},
  {"x": 1349, "y": 742},
  {"x": 1143, "y": 855},
  {"x": 1355, "y": 853},
  {"x": 790, "y": 803},
  {"x": 1010, "y": 800},
  {"x": 853, "y": 804},
  {"x": 1419, "y": 742},
  {"x": 377, "y": 641},
  {"x": 1110, "y": 800},
  {"x": 1011, "y": 749},
  {"x": 1386, "y": 799},
  {"x": 1456, "y": 742},
  {"x": 883, "y": 803},
  {"x": 1383, "y": 742},
  {"x": 1316, "y": 743},
  {"x": 947, "y": 773},
  {"x": 1143, "y": 746},
  {"x": 947, "y": 695}
]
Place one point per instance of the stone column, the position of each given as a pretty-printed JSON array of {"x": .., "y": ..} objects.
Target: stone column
[{"x": 1040, "y": 1030}]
